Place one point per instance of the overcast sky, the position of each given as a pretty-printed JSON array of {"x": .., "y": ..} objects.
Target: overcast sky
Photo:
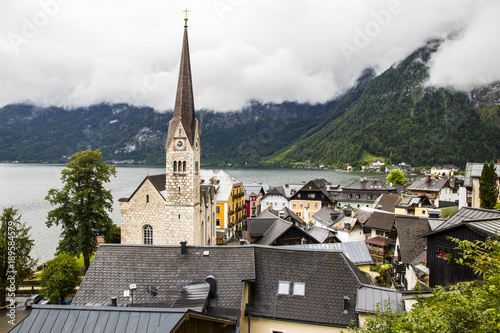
[{"x": 81, "y": 52}]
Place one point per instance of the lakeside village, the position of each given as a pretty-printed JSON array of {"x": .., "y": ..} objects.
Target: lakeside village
[{"x": 202, "y": 252}]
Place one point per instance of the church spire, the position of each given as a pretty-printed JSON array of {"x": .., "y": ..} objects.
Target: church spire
[{"x": 184, "y": 101}]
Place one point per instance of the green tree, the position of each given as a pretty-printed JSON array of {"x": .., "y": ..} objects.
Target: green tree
[
  {"x": 464, "y": 307},
  {"x": 488, "y": 186},
  {"x": 82, "y": 204},
  {"x": 60, "y": 278},
  {"x": 114, "y": 235},
  {"x": 396, "y": 177},
  {"x": 16, "y": 263}
]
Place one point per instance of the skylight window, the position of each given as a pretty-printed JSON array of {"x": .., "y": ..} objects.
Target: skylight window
[
  {"x": 284, "y": 288},
  {"x": 299, "y": 289}
]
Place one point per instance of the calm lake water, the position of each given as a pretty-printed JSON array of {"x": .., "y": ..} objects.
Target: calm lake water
[{"x": 25, "y": 186}]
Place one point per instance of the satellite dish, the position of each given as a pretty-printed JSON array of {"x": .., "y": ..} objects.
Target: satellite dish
[{"x": 152, "y": 290}]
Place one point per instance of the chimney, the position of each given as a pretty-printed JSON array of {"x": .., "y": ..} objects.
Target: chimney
[
  {"x": 184, "y": 247},
  {"x": 427, "y": 178},
  {"x": 113, "y": 301},
  {"x": 213, "y": 285}
]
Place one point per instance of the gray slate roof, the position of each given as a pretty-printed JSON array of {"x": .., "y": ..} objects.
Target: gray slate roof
[
  {"x": 328, "y": 277},
  {"x": 410, "y": 229},
  {"x": 370, "y": 296},
  {"x": 89, "y": 319},
  {"x": 431, "y": 185},
  {"x": 381, "y": 221},
  {"x": 115, "y": 266},
  {"x": 468, "y": 213},
  {"x": 388, "y": 202},
  {"x": 325, "y": 214},
  {"x": 357, "y": 252},
  {"x": 258, "y": 226}
]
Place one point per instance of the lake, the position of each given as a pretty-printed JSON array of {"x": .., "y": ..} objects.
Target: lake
[{"x": 25, "y": 186}]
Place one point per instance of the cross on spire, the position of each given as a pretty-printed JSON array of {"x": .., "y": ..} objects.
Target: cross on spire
[{"x": 185, "y": 17}]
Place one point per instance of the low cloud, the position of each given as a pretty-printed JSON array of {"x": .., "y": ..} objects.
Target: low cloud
[{"x": 82, "y": 52}]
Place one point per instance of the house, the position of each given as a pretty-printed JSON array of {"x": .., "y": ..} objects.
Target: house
[
  {"x": 229, "y": 201},
  {"x": 380, "y": 235},
  {"x": 466, "y": 224},
  {"x": 263, "y": 289},
  {"x": 377, "y": 164},
  {"x": 409, "y": 258},
  {"x": 363, "y": 193},
  {"x": 444, "y": 170},
  {"x": 469, "y": 193},
  {"x": 415, "y": 205},
  {"x": 173, "y": 207},
  {"x": 310, "y": 198},
  {"x": 90, "y": 319},
  {"x": 277, "y": 197},
  {"x": 438, "y": 190},
  {"x": 276, "y": 231},
  {"x": 253, "y": 198}
]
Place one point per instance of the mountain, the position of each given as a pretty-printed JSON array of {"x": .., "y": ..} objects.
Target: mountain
[
  {"x": 393, "y": 116},
  {"x": 127, "y": 133}
]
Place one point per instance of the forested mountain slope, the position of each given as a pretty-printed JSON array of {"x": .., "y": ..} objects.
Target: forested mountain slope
[{"x": 396, "y": 117}]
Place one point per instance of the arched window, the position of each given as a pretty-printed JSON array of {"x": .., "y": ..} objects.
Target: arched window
[
  {"x": 179, "y": 166},
  {"x": 184, "y": 166},
  {"x": 147, "y": 232},
  {"x": 175, "y": 166}
]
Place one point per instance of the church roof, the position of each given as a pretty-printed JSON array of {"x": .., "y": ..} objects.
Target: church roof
[{"x": 184, "y": 100}]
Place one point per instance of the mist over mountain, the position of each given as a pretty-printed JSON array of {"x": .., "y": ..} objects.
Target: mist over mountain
[{"x": 396, "y": 116}]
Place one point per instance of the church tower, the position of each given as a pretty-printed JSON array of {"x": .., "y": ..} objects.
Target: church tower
[{"x": 182, "y": 196}]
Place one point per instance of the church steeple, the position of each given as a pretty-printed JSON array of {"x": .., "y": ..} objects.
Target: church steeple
[{"x": 184, "y": 101}]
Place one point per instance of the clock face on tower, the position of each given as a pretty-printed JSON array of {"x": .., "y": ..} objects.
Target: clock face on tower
[{"x": 180, "y": 144}]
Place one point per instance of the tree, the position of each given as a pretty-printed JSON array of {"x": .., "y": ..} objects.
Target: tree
[
  {"x": 60, "y": 278},
  {"x": 488, "y": 186},
  {"x": 82, "y": 204},
  {"x": 464, "y": 307},
  {"x": 396, "y": 177},
  {"x": 114, "y": 235},
  {"x": 16, "y": 263}
]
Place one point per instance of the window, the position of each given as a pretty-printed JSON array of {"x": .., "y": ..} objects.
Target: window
[
  {"x": 284, "y": 288},
  {"x": 294, "y": 205},
  {"x": 301, "y": 205},
  {"x": 311, "y": 195},
  {"x": 147, "y": 232},
  {"x": 217, "y": 222},
  {"x": 299, "y": 289},
  {"x": 175, "y": 166},
  {"x": 179, "y": 166},
  {"x": 147, "y": 198},
  {"x": 315, "y": 205},
  {"x": 196, "y": 167},
  {"x": 349, "y": 195},
  {"x": 379, "y": 233},
  {"x": 184, "y": 166},
  {"x": 217, "y": 209}
]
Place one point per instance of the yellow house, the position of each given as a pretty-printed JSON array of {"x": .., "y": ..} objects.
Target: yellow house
[
  {"x": 305, "y": 209},
  {"x": 230, "y": 200}
]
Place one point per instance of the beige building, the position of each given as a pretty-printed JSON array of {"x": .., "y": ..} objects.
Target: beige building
[{"x": 173, "y": 207}]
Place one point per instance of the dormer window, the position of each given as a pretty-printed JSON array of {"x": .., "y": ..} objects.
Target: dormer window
[
  {"x": 299, "y": 289},
  {"x": 284, "y": 288}
]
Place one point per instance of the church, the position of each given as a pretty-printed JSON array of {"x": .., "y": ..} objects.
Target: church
[{"x": 173, "y": 207}]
